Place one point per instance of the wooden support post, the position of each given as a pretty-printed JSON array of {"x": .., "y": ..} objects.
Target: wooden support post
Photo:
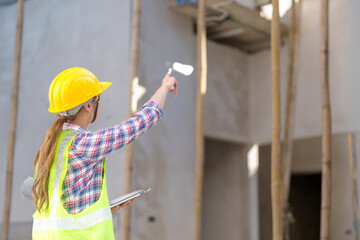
[
  {"x": 275, "y": 146},
  {"x": 201, "y": 90},
  {"x": 13, "y": 120},
  {"x": 354, "y": 185},
  {"x": 134, "y": 65},
  {"x": 326, "y": 125},
  {"x": 293, "y": 44}
]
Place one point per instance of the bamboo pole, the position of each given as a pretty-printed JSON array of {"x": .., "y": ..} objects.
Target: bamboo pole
[
  {"x": 294, "y": 27},
  {"x": 326, "y": 119},
  {"x": 13, "y": 120},
  {"x": 275, "y": 146},
  {"x": 201, "y": 90},
  {"x": 134, "y": 65},
  {"x": 288, "y": 128},
  {"x": 354, "y": 184}
]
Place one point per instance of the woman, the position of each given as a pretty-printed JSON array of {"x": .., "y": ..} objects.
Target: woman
[{"x": 69, "y": 190}]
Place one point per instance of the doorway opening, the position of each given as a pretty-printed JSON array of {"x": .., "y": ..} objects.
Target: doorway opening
[{"x": 305, "y": 202}]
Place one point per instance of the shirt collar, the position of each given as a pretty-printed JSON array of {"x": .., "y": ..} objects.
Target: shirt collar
[{"x": 72, "y": 127}]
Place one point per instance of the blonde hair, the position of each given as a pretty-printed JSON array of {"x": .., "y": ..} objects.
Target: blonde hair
[{"x": 44, "y": 158}]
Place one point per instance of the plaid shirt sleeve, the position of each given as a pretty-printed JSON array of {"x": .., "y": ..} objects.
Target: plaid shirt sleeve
[{"x": 96, "y": 145}]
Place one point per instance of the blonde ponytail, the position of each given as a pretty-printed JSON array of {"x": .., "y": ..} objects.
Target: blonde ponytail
[{"x": 42, "y": 164}]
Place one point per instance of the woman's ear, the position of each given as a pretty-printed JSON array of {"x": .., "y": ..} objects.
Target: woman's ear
[{"x": 87, "y": 107}]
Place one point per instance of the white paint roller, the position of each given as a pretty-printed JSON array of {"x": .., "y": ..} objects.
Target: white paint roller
[{"x": 184, "y": 69}]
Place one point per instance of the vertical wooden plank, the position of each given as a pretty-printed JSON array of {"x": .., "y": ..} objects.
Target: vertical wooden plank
[
  {"x": 13, "y": 120},
  {"x": 293, "y": 46},
  {"x": 276, "y": 128},
  {"x": 326, "y": 126},
  {"x": 134, "y": 65},
  {"x": 354, "y": 184},
  {"x": 201, "y": 90}
]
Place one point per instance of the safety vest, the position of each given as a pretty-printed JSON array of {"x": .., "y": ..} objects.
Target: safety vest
[{"x": 95, "y": 222}]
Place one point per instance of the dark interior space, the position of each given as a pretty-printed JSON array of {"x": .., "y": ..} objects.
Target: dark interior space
[{"x": 305, "y": 202}]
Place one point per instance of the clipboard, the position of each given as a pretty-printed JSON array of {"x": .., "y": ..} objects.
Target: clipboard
[{"x": 128, "y": 197}]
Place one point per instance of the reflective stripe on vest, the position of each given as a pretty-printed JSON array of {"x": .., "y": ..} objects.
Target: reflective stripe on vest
[
  {"x": 68, "y": 223},
  {"x": 57, "y": 219}
]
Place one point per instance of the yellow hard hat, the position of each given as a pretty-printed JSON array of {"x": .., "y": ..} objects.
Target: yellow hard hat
[{"x": 73, "y": 87}]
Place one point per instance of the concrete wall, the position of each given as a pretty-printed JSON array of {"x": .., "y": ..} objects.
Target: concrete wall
[
  {"x": 226, "y": 105},
  {"x": 58, "y": 35},
  {"x": 344, "y": 54},
  {"x": 226, "y": 213},
  {"x": 164, "y": 157}
]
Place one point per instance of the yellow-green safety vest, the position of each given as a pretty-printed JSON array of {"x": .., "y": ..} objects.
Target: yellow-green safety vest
[{"x": 95, "y": 222}]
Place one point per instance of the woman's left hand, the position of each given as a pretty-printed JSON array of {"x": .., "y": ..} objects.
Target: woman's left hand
[{"x": 117, "y": 207}]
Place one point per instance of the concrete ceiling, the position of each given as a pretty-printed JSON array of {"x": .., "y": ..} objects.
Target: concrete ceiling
[{"x": 233, "y": 24}]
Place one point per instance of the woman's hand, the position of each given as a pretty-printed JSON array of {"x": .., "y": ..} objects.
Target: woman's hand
[
  {"x": 117, "y": 207},
  {"x": 170, "y": 83}
]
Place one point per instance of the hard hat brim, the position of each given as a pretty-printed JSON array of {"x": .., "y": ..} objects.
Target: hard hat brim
[{"x": 105, "y": 85}]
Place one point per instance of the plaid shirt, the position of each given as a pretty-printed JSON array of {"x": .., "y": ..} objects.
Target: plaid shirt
[{"x": 83, "y": 181}]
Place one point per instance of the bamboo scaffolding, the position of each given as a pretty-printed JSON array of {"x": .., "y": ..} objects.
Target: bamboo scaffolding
[
  {"x": 293, "y": 40},
  {"x": 134, "y": 65},
  {"x": 13, "y": 120},
  {"x": 326, "y": 119},
  {"x": 275, "y": 146},
  {"x": 201, "y": 90},
  {"x": 354, "y": 184}
]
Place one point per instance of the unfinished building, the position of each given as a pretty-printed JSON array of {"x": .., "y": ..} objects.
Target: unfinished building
[{"x": 237, "y": 110}]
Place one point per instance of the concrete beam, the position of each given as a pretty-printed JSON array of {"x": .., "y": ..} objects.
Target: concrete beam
[{"x": 226, "y": 33}]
